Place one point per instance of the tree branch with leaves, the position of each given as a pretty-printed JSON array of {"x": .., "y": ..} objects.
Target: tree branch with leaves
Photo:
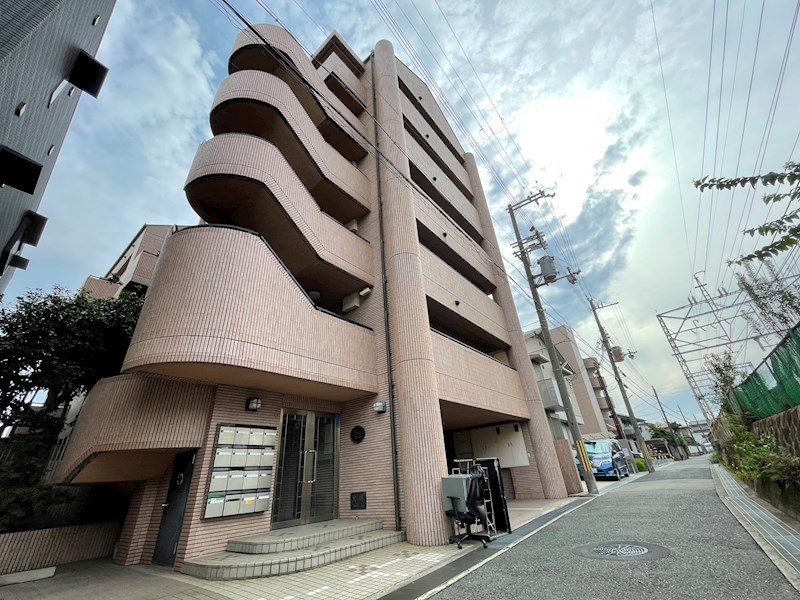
[{"x": 786, "y": 229}]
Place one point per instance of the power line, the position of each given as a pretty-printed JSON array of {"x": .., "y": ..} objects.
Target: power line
[
  {"x": 762, "y": 150},
  {"x": 671, "y": 133},
  {"x": 712, "y": 204},
  {"x": 705, "y": 133}
]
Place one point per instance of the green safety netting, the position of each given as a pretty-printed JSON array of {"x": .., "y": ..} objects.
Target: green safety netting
[{"x": 775, "y": 385}]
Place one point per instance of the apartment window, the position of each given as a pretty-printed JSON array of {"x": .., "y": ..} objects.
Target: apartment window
[
  {"x": 96, "y": 20},
  {"x": 50, "y": 150},
  {"x": 20, "y": 110}
]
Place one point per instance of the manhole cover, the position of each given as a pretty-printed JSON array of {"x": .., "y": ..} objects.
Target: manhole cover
[
  {"x": 627, "y": 551},
  {"x": 620, "y": 550}
]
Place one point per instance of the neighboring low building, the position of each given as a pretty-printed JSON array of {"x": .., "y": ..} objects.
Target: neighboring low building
[
  {"x": 47, "y": 50},
  {"x": 596, "y": 422},
  {"x": 600, "y": 391},
  {"x": 548, "y": 388},
  {"x": 630, "y": 434}
]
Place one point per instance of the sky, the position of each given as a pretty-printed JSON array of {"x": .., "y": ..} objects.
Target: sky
[{"x": 612, "y": 106}]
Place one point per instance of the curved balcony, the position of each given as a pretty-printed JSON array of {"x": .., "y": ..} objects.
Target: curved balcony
[
  {"x": 223, "y": 309},
  {"x": 243, "y": 180},
  {"x": 335, "y": 121},
  {"x": 469, "y": 378},
  {"x": 130, "y": 428},
  {"x": 262, "y": 105}
]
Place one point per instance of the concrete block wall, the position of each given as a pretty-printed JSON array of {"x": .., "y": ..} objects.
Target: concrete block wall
[{"x": 784, "y": 426}]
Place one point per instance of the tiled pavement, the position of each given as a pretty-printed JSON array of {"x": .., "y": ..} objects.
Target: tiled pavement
[
  {"x": 778, "y": 539},
  {"x": 367, "y": 576}
]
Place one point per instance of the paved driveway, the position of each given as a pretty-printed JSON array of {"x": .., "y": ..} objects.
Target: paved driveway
[{"x": 710, "y": 555}]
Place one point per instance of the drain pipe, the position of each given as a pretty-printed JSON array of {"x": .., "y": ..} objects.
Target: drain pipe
[{"x": 389, "y": 370}]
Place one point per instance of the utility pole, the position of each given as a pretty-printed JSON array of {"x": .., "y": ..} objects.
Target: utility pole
[
  {"x": 636, "y": 429},
  {"x": 691, "y": 433},
  {"x": 610, "y": 402},
  {"x": 666, "y": 420},
  {"x": 661, "y": 406},
  {"x": 535, "y": 242}
]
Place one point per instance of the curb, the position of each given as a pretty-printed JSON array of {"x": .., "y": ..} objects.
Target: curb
[{"x": 789, "y": 572}]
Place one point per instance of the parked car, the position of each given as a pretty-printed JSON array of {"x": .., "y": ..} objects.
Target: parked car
[{"x": 607, "y": 459}]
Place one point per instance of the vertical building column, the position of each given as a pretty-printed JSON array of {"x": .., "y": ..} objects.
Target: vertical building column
[
  {"x": 419, "y": 419},
  {"x": 133, "y": 537},
  {"x": 541, "y": 438}
]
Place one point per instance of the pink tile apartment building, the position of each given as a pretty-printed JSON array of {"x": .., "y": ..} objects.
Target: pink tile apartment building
[{"x": 315, "y": 348}]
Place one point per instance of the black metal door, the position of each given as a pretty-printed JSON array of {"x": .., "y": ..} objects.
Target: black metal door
[{"x": 174, "y": 506}]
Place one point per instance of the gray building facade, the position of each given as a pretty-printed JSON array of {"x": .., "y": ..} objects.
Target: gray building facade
[{"x": 47, "y": 50}]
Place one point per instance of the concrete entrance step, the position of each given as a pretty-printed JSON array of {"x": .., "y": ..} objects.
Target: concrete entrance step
[
  {"x": 235, "y": 565},
  {"x": 293, "y": 538}
]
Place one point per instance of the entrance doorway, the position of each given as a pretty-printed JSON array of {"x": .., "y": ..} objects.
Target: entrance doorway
[
  {"x": 174, "y": 506},
  {"x": 307, "y": 474}
]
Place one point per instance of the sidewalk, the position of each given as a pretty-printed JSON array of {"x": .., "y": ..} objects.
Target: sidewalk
[
  {"x": 370, "y": 575},
  {"x": 770, "y": 528}
]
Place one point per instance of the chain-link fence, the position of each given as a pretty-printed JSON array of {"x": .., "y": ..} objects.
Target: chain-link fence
[{"x": 775, "y": 384}]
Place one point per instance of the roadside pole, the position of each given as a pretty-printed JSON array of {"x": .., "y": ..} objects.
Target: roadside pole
[
  {"x": 535, "y": 242},
  {"x": 636, "y": 429},
  {"x": 666, "y": 421}
]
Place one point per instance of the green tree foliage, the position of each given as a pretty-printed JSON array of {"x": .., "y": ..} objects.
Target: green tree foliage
[
  {"x": 724, "y": 375},
  {"x": 60, "y": 343},
  {"x": 786, "y": 229},
  {"x": 671, "y": 435},
  {"x": 777, "y": 306}
]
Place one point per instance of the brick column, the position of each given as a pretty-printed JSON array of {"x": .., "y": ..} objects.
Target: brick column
[
  {"x": 541, "y": 438},
  {"x": 419, "y": 419},
  {"x": 133, "y": 537}
]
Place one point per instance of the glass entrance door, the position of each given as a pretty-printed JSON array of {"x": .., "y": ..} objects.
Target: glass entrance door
[{"x": 306, "y": 478}]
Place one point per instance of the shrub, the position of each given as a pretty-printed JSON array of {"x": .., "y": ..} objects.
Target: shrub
[
  {"x": 640, "y": 464},
  {"x": 715, "y": 458},
  {"x": 754, "y": 457}
]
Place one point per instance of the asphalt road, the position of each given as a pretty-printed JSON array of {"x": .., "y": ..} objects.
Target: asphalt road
[{"x": 710, "y": 555}]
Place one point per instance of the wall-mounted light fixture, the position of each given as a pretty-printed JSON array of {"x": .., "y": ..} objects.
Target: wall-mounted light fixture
[
  {"x": 379, "y": 406},
  {"x": 252, "y": 404}
]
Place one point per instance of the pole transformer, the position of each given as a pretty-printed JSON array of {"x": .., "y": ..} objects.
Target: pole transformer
[{"x": 534, "y": 242}]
